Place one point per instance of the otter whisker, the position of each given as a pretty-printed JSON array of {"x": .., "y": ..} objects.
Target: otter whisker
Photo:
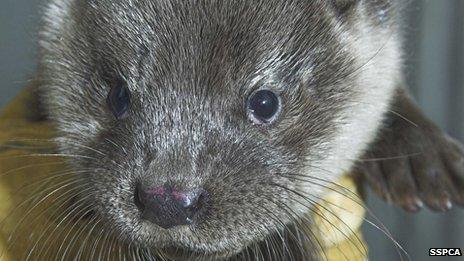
[
  {"x": 279, "y": 234},
  {"x": 313, "y": 203},
  {"x": 53, "y": 141},
  {"x": 43, "y": 182},
  {"x": 355, "y": 198},
  {"x": 55, "y": 189},
  {"x": 302, "y": 222},
  {"x": 95, "y": 220},
  {"x": 65, "y": 220},
  {"x": 301, "y": 248},
  {"x": 96, "y": 242},
  {"x": 389, "y": 158},
  {"x": 58, "y": 155},
  {"x": 310, "y": 228},
  {"x": 82, "y": 211},
  {"x": 63, "y": 213},
  {"x": 22, "y": 168},
  {"x": 68, "y": 141},
  {"x": 383, "y": 230}
]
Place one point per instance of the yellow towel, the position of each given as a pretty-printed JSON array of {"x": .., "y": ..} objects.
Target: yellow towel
[{"x": 29, "y": 199}]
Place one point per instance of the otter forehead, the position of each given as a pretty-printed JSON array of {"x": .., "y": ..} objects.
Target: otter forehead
[
  {"x": 174, "y": 43},
  {"x": 183, "y": 30}
]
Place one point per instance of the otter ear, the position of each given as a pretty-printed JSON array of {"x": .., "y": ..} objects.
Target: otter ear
[
  {"x": 413, "y": 162},
  {"x": 342, "y": 7}
]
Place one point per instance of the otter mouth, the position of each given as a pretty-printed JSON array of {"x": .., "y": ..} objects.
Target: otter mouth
[{"x": 178, "y": 253}]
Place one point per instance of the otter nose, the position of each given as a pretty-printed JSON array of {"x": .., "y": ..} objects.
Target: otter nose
[{"x": 168, "y": 207}]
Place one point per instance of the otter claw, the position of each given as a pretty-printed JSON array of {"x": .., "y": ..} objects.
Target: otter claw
[{"x": 413, "y": 163}]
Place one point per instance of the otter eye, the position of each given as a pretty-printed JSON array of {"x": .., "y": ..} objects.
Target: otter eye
[
  {"x": 118, "y": 99},
  {"x": 263, "y": 106}
]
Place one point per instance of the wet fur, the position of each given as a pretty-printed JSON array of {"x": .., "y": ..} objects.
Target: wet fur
[{"x": 190, "y": 68}]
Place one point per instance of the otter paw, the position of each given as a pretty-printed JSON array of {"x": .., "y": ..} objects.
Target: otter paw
[
  {"x": 412, "y": 163},
  {"x": 432, "y": 176}
]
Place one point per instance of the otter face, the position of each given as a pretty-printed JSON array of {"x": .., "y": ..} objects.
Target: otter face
[{"x": 205, "y": 123}]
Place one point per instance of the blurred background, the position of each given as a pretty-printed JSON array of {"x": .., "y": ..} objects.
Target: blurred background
[
  {"x": 434, "y": 70},
  {"x": 434, "y": 42}
]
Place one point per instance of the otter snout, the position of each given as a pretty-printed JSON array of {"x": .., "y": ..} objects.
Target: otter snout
[{"x": 168, "y": 207}]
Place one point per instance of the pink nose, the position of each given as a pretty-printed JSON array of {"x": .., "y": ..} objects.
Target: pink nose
[{"x": 167, "y": 207}]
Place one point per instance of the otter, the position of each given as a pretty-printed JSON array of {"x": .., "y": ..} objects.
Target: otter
[{"x": 204, "y": 126}]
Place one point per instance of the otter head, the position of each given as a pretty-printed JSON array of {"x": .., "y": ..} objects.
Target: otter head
[{"x": 206, "y": 126}]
